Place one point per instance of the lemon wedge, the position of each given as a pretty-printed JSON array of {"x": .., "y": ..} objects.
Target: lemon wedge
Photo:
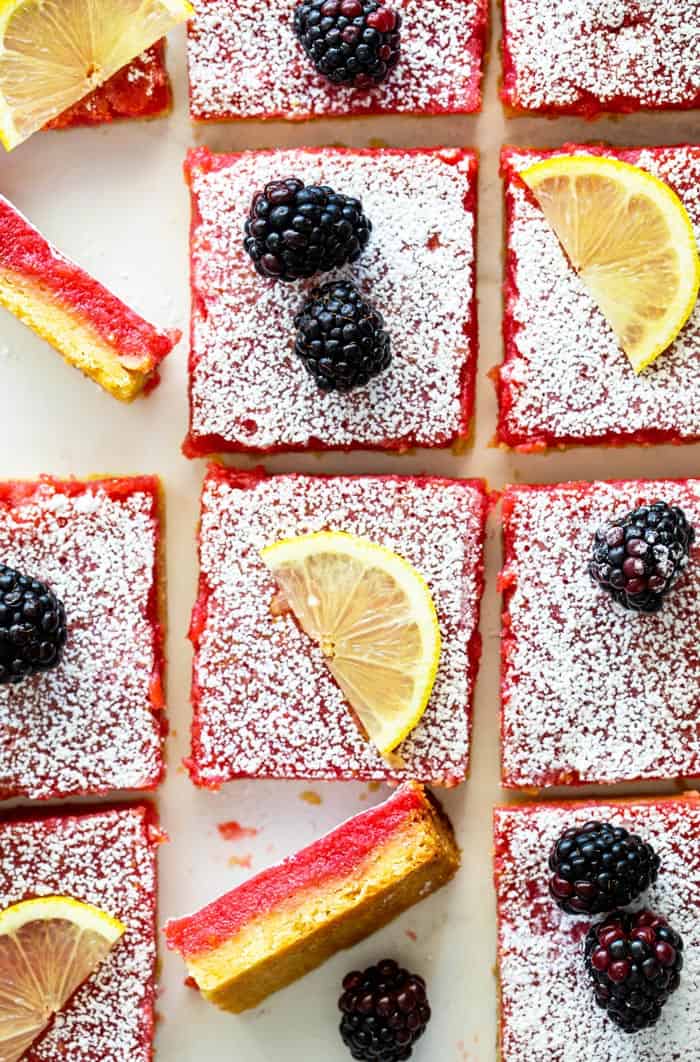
[
  {"x": 374, "y": 619},
  {"x": 55, "y": 52},
  {"x": 629, "y": 237},
  {"x": 48, "y": 949}
]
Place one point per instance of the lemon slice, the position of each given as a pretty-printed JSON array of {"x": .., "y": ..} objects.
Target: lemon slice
[
  {"x": 48, "y": 948},
  {"x": 54, "y": 52},
  {"x": 629, "y": 237},
  {"x": 375, "y": 621}
]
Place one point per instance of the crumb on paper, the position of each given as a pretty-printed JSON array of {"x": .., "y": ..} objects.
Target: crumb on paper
[
  {"x": 245, "y": 861},
  {"x": 311, "y": 797},
  {"x": 233, "y": 831}
]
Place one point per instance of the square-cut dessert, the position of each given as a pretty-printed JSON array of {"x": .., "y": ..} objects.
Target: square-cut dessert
[
  {"x": 93, "y": 329},
  {"x": 548, "y": 1009},
  {"x": 600, "y": 57},
  {"x": 265, "y": 703},
  {"x": 593, "y": 691},
  {"x": 94, "y": 723},
  {"x": 564, "y": 379},
  {"x": 286, "y": 921},
  {"x": 246, "y": 62},
  {"x": 248, "y": 389},
  {"x": 107, "y": 858},
  {"x": 140, "y": 90}
]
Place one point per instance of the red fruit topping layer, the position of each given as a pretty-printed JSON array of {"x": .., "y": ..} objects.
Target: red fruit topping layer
[
  {"x": 95, "y": 723},
  {"x": 24, "y": 252},
  {"x": 245, "y": 62},
  {"x": 564, "y": 379},
  {"x": 106, "y": 858},
  {"x": 140, "y": 90},
  {"x": 593, "y": 692},
  {"x": 548, "y": 1008},
  {"x": 265, "y": 704},
  {"x": 334, "y": 856},
  {"x": 611, "y": 56},
  {"x": 249, "y": 391}
]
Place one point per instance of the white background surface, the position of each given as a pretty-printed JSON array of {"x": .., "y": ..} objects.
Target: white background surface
[{"x": 114, "y": 200}]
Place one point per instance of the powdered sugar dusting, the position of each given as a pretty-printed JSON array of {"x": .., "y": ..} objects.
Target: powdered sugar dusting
[
  {"x": 250, "y": 391},
  {"x": 245, "y": 62},
  {"x": 87, "y": 726},
  {"x": 106, "y": 859},
  {"x": 593, "y": 692},
  {"x": 565, "y": 378},
  {"x": 614, "y": 54},
  {"x": 549, "y": 1013},
  {"x": 265, "y": 701}
]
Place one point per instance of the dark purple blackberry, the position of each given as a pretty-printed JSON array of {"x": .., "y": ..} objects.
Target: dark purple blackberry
[
  {"x": 598, "y": 867},
  {"x": 639, "y": 557},
  {"x": 32, "y": 627},
  {"x": 635, "y": 961},
  {"x": 341, "y": 338},
  {"x": 385, "y": 1011},
  {"x": 294, "y": 231},
  {"x": 350, "y": 42}
]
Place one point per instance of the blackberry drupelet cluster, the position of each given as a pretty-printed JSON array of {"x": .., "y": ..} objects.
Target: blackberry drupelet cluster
[
  {"x": 341, "y": 338},
  {"x": 32, "y": 627},
  {"x": 598, "y": 867},
  {"x": 350, "y": 42},
  {"x": 638, "y": 558},
  {"x": 634, "y": 961},
  {"x": 294, "y": 231},
  {"x": 385, "y": 1011}
]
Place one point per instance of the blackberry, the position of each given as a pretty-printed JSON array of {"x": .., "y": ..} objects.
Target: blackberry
[
  {"x": 635, "y": 961},
  {"x": 32, "y": 627},
  {"x": 341, "y": 338},
  {"x": 598, "y": 867},
  {"x": 294, "y": 231},
  {"x": 350, "y": 42},
  {"x": 639, "y": 557},
  {"x": 385, "y": 1011}
]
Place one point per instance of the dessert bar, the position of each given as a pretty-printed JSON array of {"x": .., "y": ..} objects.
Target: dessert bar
[
  {"x": 286, "y": 921},
  {"x": 564, "y": 379},
  {"x": 94, "y": 724},
  {"x": 245, "y": 62},
  {"x": 591, "y": 691},
  {"x": 107, "y": 858},
  {"x": 265, "y": 704},
  {"x": 93, "y": 329},
  {"x": 548, "y": 1009},
  {"x": 249, "y": 391},
  {"x": 586, "y": 59}
]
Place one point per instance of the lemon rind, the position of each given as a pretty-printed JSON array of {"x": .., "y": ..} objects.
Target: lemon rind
[{"x": 47, "y": 908}]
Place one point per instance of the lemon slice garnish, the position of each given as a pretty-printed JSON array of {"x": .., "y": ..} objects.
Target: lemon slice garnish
[
  {"x": 55, "y": 52},
  {"x": 374, "y": 619},
  {"x": 630, "y": 239},
  {"x": 48, "y": 949}
]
